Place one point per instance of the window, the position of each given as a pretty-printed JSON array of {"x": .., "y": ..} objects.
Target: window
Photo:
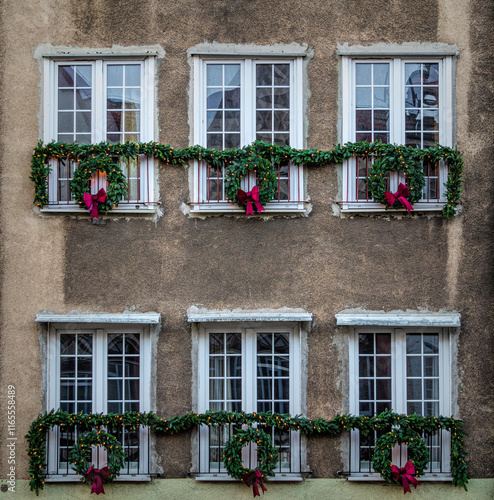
[
  {"x": 98, "y": 370},
  {"x": 251, "y": 369},
  {"x": 400, "y": 101},
  {"x": 406, "y": 370},
  {"x": 89, "y": 101},
  {"x": 238, "y": 101}
]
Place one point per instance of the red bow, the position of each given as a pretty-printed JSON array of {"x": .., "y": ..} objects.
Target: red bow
[
  {"x": 406, "y": 473},
  {"x": 253, "y": 478},
  {"x": 391, "y": 198},
  {"x": 92, "y": 200},
  {"x": 98, "y": 476},
  {"x": 250, "y": 197}
]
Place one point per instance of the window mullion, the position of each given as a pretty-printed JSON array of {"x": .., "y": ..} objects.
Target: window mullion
[
  {"x": 249, "y": 371},
  {"x": 98, "y": 127}
]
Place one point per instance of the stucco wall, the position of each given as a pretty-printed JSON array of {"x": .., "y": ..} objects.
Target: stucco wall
[{"x": 322, "y": 263}]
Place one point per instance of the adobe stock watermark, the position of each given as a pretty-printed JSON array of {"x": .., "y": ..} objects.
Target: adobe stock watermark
[{"x": 11, "y": 440}]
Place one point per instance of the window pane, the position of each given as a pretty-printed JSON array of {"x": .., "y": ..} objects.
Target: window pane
[
  {"x": 431, "y": 366},
  {"x": 115, "y": 75},
  {"x": 133, "y": 75},
  {"x": 413, "y": 343},
  {"x": 232, "y": 75},
  {"x": 233, "y": 343},
  {"x": 282, "y": 74},
  {"x": 281, "y": 388},
  {"x": 414, "y": 366},
  {"x": 115, "y": 365},
  {"x": 383, "y": 389},
  {"x": 67, "y": 367},
  {"x": 131, "y": 389},
  {"x": 84, "y": 367},
  {"x": 132, "y": 366},
  {"x": 83, "y": 76},
  {"x": 67, "y": 344},
  {"x": 234, "y": 366},
  {"x": 216, "y": 389},
  {"x": 282, "y": 98},
  {"x": 383, "y": 343},
  {"x": 216, "y": 366},
  {"x": 414, "y": 389},
  {"x": 115, "y": 344},
  {"x": 366, "y": 366},
  {"x": 366, "y": 389},
  {"x": 431, "y": 344},
  {"x": 264, "y": 74},
  {"x": 115, "y": 389},
  {"x": 281, "y": 366},
  {"x": 264, "y": 366},
  {"x": 363, "y": 74},
  {"x": 264, "y": 343},
  {"x": 366, "y": 343},
  {"x": 264, "y": 388},
  {"x": 431, "y": 387},
  {"x": 383, "y": 366},
  {"x": 215, "y": 75},
  {"x": 281, "y": 343},
  {"x": 65, "y": 99}
]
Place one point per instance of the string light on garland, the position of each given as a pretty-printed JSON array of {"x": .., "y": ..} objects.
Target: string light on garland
[
  {"x": 404, "y": 427},
  {"x": 259, "y": 157}
]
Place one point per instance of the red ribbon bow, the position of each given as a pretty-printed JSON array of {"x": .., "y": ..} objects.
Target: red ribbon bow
[
  {"x": 391, "y": 198},
  {"x": 406, "y": 473},
  {"x": 253, "y": 478},
  {"x": 250, "y": 197},
  {"x": 92, "y": 200},
  {"x": 98, "y": 476}
]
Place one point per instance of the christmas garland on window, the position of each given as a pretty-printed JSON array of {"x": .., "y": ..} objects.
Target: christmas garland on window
[
  {"x": 259, "y": 157},
  {"x": 406, "y": 425}
]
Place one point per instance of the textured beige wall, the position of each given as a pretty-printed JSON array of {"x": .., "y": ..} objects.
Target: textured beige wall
[{"x": 321, "y": 263}]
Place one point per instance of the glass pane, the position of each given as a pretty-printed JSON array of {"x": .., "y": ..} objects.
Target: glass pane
[
  {"x": 132, "y": 121},
  {"x": 431, "y": 344},
  {"x": 66, "y": 99},
  {"x": 67, "y": 344},
  {"x": 65, "y": 76},
  {"x": 413, "y": 97},
  {"x": 67, "y": 367},
  {"x": 282, "y": 121},
  {"x": 84, "y": 367},
  {"x": 281, "y": 388},
  {"x": 364, "y": 97},
  {"x": 282, "y": 98},
  {"x": 366, "y": 409},
  {"x": 132, "y": 366},
  {"x": 384, "y": 138},
  {"x": 216, "y": 389},
  {"x": 232, "y": 75},
  {"x": 430, "y": 140},
  {"x": 132, "y": 343},
  {"x": 83, "y": 76},
  {"x": 431, "y": 408},
  {"x": 132, "y": 389},
  {"x": 282, "y": 74},
  {"x": 383, "y": 406},
  {"x": 264, "y": 388},
  {"x": 414, "y": 368},
  {"x": 281, "y": 343},
  {"x": 115, "y": 367},
  {"x": 363, "y": 74},
  {"x": 84, "y": 390},
  {"x": 414, "y": 407},
  {"x": 114, "y": 407},
  {"x": 431, "y": 366},
  {"x": 281, "y": 139},
  {"x": 366, "y": 389},
  {"x": 264, "y": 74},
  {"x": 431, "y": 97},
  {"x": 232, "y": 121},
  {"x": 65, "y": 122},
  {"x": 431, "y": 119},
  {"x": 232, "y": 98},
  {"x": 115, "y": 344},
  {"x": 264, "y": 343},
  {"x": 413, "y": 120},
  {"x": 431, "y": 387},
  {"x": 282, "y": 407},
  {"x": 431, "y": 73},
  {"x": 364, "y": 137},
  {"x": 114, "y": 121},
  {"x": 363, "y": 119},
  {"x": 264, "y": 98},
  {"x": 232, "y": 140},
  {"x": 215, "y": 75},
  {"x": 381, "y": 97},
  {"x": 233, "y": 343},
  {"x": 216, "y": 366},
  {"x": 383, "y": 343},
  {"x": 83, "y": 99},
  {"x": 383, "y": 389},
  {"x": 381, "y": 74},
  {"x": 132, "y": 98},
  {"x": 67, "y": 390},
  {"x": 366, "y": 366},
  {"x": 264, "y": 120},
  {"x": 215, "y": 141},
  {"x": 414, "y": 389},
  {"x": 115, "y": 389},
  {"x": 413, "y": 343},
  {"x": 234, "y": 366},
  {"x": 133, "y": 75},
  {"x": 383, "y": 366},
  {"x": 264, "y": 406},
  {"x": 281, "y": 366},
  {"x": 234, "y": 388},
  {"x": 84, "y": 407},
  {"x": 216, "y": 343},
  {"x": 115, "y": 75},
  {"x": 83, "y": 122},
  {"x": 381, "y": 120},
  {"x": 412, "y": 74},
  {"x": 264, "y": 366},
  {"x": 366, "y": 343},
  {"x": 114, "y": 99}
]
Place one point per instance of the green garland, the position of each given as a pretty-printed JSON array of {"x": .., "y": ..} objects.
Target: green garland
[
  {"x": 80, "y": 455},
  {"x": 418, "y": 453},
  {"x": 259, "y": 157},
  {"x": 267, "y": 454},
  {"x": 384, "y": 422},
  {"x": 377, "y": 179}
]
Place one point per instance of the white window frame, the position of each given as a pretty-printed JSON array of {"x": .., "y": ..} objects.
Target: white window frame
[
  {"x": 249, "y": 332},
  {"x": 147, "y": 183},
  {"x": 248, "y": 132},
  {"x": 397, "y": 122},
  {"x": 100, "y": 333},
  {"x": 399, "y": 391}
]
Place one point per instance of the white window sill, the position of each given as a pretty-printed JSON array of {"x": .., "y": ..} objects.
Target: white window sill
[
  {"x": 228, "y": 208},
  {"x": 429, "y": 477},
  {"x": 75, "y": 478},
  {"x": 371, "y": 207},
  {"x": 281, "y": 478},
  {"x": 71, "y": 209}
]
